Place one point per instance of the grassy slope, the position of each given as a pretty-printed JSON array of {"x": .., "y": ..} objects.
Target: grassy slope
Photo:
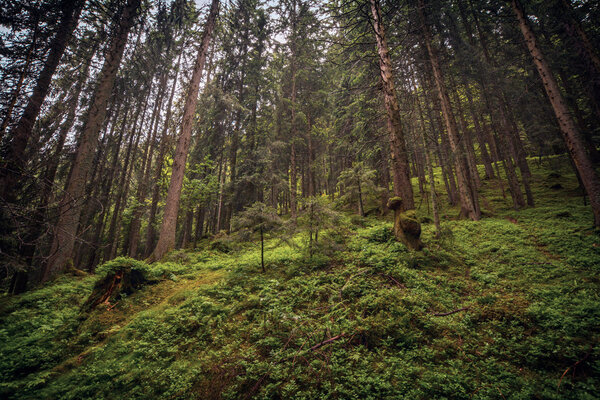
[{"x": 217, "y": 327}]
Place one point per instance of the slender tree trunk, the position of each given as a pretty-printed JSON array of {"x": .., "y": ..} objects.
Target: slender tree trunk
[
  {"x": 262, "y": 250},
  {"x": 361, "y": 210},
  {"x": 311, "y": 161},
  {"x": 136, "y": 220},
  {"x": 570, "y": 132},
  {"x": 164, "y": 144},
  {"x": 487, "y": 161},
  {"x": 166, "y": 239},
  {"x": 468, "y": 194},
  {"x": 398, "y": 153},
  {"x": 71, "y": 205},
  {"x": 104, "y": 198},
  {"x": 199, "y": 225},
  {"x": 467, "y": 142},
  {"x": 15, "y": 160},
  {"x": 293, "y": 172},
  {"x": 429, "y": 166},
  {"x": 19, "y": 85},
  {"x": 187, "y": 228}
]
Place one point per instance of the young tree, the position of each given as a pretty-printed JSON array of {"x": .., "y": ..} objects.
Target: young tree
[
  {"x": 316, "y": 216},
  {"x": 259, "y": 218},
  {"x": 358, "y": 182}
]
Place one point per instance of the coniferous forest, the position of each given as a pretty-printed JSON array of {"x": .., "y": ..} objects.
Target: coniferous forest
[{"x": 299, "y": 199}]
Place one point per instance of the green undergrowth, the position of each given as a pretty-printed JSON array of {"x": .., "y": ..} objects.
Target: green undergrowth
[{"x": 503, "y": 308}]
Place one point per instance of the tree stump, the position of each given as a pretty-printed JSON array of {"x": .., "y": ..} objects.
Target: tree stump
[
  {"x": 407, "y": 228},
  {"x": 108, "y": 290}
]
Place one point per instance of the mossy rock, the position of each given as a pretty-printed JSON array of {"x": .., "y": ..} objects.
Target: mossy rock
[
  {"x": 407, "y": 228},
  {"x": 394, "y": 203}
]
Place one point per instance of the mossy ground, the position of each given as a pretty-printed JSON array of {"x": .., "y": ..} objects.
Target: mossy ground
[{"x": 216, "y": 327}]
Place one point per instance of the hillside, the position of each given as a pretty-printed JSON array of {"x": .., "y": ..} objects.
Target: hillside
[{"x": 504, "y": 308}]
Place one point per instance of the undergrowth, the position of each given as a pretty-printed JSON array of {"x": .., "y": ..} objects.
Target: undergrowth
[{"x": 506, "y": 307}]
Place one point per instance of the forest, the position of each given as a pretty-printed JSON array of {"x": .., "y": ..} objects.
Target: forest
[{"x": 299, "y": 199}]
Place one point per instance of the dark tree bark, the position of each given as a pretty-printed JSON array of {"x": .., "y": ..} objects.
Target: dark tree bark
[
  {"x": 14, "y": 161},
  {"x": 571, "y": 134},
  {"x": 468, "y": 195},
  {"x": 71, "y": 204}
]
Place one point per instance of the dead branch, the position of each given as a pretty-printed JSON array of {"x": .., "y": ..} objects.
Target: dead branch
[
  {"x": 325, "y": 342},
  {"x": 451, "y": 312}
]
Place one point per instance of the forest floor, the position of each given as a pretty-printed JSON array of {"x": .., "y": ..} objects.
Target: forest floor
[{"x": 504, "y": 308}]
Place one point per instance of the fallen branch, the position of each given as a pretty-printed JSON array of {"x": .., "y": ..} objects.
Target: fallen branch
[
  {"x": 574, "y": 367},
  {"x": 325, "y": 342},
  {"x": 451, "y": 312},
  {"x": 391, "y": 278}
]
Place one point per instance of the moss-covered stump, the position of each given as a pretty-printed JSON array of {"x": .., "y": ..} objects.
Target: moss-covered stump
[
  {"x": 121, "y": 276},
  {"x": 407, "y": 228}
]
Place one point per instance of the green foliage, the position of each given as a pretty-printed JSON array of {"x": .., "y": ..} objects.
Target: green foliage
[
  {"x": 359, "y": 184},
  {"x": 525, "y": 295},
  {"x": 122, "y": 264},
  {"x": 257, "y": 217},
  {"x": 380, "y": 234}
]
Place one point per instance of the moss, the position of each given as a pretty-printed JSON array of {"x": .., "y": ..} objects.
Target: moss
[{"x": 217, "y": 327}]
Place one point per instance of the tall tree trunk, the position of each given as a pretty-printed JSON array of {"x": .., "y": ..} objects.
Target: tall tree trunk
[
  {"x": 429, "y": 166},
  {"x": 166, "y": 239},
  {"x": 398, "y": 153},
  {"x": 123, "y": 184},
  {"x": 310, "y": 170},
  {"x": 468, "y": 195},
  {"x": 52, "y": 167},
  {"x": 106, "y": 184},
  {"x": 164, "y": 144},
  {"x": 136, "y": 220},
  {"x": 293, "y": 172},
  {"x": 19, "y": 85},
  {"x": 71, "y": 204},
  {"x": 198, "y": 232},
  {"x": 487, "y": 161},
  {"x": 571, "y": 134},
  {"x": 15, "y": 160}
]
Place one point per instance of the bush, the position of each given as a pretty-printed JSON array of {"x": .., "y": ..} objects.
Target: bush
[{"x": 380, "y": 234}]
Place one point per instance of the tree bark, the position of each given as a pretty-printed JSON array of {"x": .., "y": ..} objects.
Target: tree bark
[
  {"x": 15, "y": 160},
  {"x": 570, "y": 133},
  {"x": 398, "y": 153},
  {"x": 468, "y": 195},
  {"x": 166, "y": 239},
  {"x": 71, "y": 204}
]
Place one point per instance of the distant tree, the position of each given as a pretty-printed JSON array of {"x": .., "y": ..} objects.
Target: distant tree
[
  {"x": 316, "y": 216},
  {"x": 15, "y": 159},
  {"x": 258, "y": 218},
  {"x": 358, "y": 182}
]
